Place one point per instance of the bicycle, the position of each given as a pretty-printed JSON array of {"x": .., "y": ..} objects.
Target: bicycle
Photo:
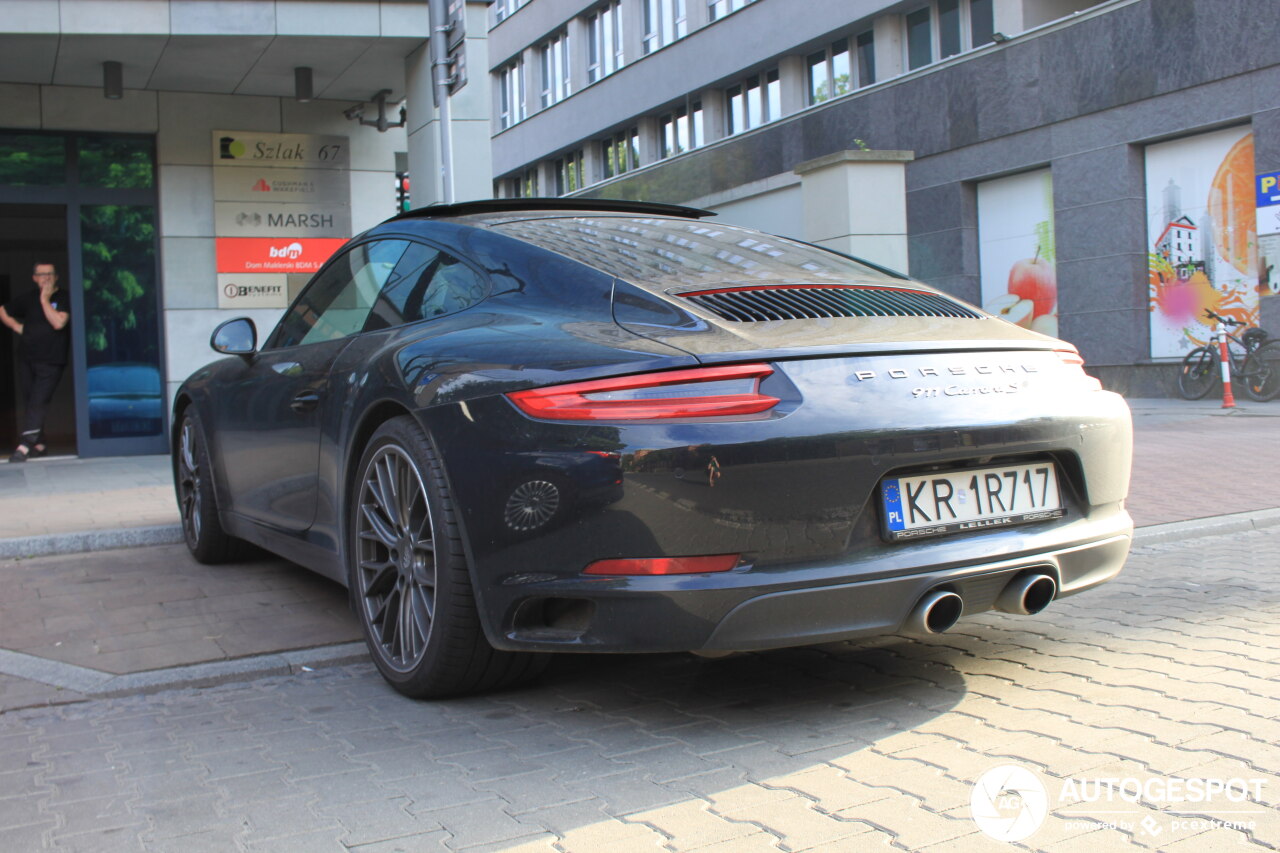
[
  {"x": 1262, "y": 367},
  {"x": 1201, "y": 369}
]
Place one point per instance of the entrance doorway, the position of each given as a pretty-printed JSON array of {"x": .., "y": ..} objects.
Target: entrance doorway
[
  {"x": 88, "y": 203},
  {"x": 31, "y": 234}
]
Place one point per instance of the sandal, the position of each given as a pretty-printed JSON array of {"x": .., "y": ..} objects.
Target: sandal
[
  {"x": 37, "y": 451},
  {"x": 18, "y": 456}
]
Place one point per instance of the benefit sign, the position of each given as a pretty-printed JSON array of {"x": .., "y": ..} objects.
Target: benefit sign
[{"x": 282, "y": 206}]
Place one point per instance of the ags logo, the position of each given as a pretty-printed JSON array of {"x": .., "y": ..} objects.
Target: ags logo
[{"x": 291, "y": 251}]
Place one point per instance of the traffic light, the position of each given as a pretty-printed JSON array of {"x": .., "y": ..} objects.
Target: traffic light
[{"x": 402, "y": 192}]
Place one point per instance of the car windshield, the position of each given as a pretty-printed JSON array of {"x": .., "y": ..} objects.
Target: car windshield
[{"x": 664, "y": 251}]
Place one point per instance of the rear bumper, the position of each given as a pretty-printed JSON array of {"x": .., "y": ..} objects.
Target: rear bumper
[
  {"x": 739, "y": 611},
  {"x": 795, "y": 494}
]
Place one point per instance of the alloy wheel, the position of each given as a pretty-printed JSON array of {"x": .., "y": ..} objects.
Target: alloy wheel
[
  {"x": 189, "y": 481},
  {"x": 395, "y": 554}
]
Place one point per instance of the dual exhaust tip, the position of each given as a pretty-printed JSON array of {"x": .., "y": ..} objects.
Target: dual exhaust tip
[{"x": 941, "y": 608}]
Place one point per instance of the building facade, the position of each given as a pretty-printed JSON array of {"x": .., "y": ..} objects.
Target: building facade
[
  {"x": 183, "y": 162},
  {"x": 1087, "y": 169}
]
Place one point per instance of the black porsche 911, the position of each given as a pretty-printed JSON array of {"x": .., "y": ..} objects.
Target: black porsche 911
[{"x": 516, "y": 427}]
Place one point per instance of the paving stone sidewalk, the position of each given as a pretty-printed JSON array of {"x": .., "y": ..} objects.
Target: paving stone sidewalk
[
  {"x": 69, "y": 622},
  {"x": 1171, "y": 672}
]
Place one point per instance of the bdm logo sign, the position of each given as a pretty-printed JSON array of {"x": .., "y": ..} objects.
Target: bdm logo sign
[{"x": 274, "y": 255}]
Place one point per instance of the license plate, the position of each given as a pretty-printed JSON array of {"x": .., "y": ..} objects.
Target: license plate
[{"x": 973, "y": 499}]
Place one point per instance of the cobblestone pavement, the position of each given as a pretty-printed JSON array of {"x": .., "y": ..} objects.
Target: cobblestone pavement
[{"x": 1171, "y": 671}]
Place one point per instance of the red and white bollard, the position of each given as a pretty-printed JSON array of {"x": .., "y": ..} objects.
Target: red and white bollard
[{"x": 1228, "y": 399}]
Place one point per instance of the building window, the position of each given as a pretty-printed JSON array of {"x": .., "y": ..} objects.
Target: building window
[
  {"x": 511, "y": 94},
  {"x": 753, "y": 102},
  {"x": 866, "y": 46},
  {"x": 604, "y": 48},
  {"x": 982, "y": 23},
  {"x": 569, "y": 173},
  {"x": 919, "y": 38},
  {"x": 621, "y": 152},
  {"x": 828, "y": 72},
  {"x": 681, "y": 131},
  {"x": 555, "y": 70},
  {"x": 664, "y": 22},
  {"x": 524, "y": 185},
  {"x": 503, "y": 9},
  {"x": 720, "y": 8},
  {"x": 945, "y": 28}
]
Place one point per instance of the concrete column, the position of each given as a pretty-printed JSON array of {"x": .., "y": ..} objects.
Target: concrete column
[
  {"x": 632, "y": 30},
  {"x": 1008, "y": 16},
  {"x": 471, "y": 127},
  {"x": 835, "y": 189},
  {"x": 579, "y": 38},
  {"x": 713, "y": 114},
  {"x": 890, "y": 49},
  {"x": 698, "y": 13},
  {"x": 650, "y": 145},
  {"x": 532, "y": 57},
  {"x": 592, "y": 164},
  {"x": 791, "y": 74},
  {"x": 546, "y": 178}
]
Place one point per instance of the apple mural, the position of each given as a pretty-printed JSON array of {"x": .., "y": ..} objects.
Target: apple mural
[
  {"x": 1035, "y": 279},
  {"x": 1015, "y": 309}
]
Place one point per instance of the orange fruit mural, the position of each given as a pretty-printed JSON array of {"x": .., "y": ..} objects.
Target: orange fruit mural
[{"x": 1231, "y": 204}]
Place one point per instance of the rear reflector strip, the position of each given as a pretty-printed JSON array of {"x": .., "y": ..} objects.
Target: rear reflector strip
[
  {"x": 664, "y": 565},
  {"x": 817, "y": 301},
  {"x": 700, "y": 392}
]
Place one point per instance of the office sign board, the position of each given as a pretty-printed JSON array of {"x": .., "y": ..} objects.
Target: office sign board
[
  {"x": 251, "y": 150},
  {"x": 239, "y": 219},
  {"x": 274, "y": 255},
  {"x": 322, "y": 189},
  {"x": 236, "y": 291},
  {"x": 282, "y": 204},
  {"x": 1268, "y": 215}
]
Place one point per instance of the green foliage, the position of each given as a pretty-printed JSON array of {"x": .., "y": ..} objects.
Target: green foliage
[
  {"x": 32, "y": 160},
  {"x": 118, "y": 254},
  {"x": 118, "y": 163}
]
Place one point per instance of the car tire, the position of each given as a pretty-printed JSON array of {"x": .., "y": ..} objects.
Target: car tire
[
  {"x": 409, "y": 577},
  {"x": 1198, "y": 373},
  {"x": 197, "y": 498}
]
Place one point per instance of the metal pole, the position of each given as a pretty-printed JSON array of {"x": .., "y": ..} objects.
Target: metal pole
[{"x": 440, "y": 84}]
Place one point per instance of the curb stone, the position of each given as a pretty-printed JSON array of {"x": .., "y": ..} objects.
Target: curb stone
[
  {"x": 96, "y": 684},
  {"x": 89, "y": 540}
]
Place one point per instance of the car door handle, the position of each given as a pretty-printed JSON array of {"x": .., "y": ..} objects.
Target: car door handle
[{"x": 305, "y": 402}]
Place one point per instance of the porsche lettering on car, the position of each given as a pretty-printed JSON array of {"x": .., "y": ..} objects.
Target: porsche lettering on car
[{"x": 520, "y": 427}]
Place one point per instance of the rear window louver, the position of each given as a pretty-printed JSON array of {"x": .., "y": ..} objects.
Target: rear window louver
[{"x": 818, "y": 301}]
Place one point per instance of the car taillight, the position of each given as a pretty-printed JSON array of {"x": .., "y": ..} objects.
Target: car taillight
[
  {"x": 1072, "y": 360},
  {"x": 700, "y": 392},
  {"x": 664, "y": 565}
]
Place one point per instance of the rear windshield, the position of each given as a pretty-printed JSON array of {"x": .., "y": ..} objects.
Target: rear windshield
[{"x": 666, "y": 252}]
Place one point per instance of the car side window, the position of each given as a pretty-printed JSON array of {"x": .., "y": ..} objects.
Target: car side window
[
  {"x": 427, "y": 283},
  {"x": 337, "y": 303}
]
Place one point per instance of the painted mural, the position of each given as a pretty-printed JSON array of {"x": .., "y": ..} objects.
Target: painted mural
[
  {"x": 1016, "y": 250},
  {"x": 1202, "y": 243}
]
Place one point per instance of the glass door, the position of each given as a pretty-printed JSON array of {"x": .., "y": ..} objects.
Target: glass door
[{"x": 107, "y": 185}]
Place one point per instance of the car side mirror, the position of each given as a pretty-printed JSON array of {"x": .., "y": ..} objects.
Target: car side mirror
[{"x": 235, "y": 337}]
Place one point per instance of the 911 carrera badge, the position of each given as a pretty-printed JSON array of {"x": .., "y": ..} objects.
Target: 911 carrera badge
[{"x": 964, "y": 390}]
